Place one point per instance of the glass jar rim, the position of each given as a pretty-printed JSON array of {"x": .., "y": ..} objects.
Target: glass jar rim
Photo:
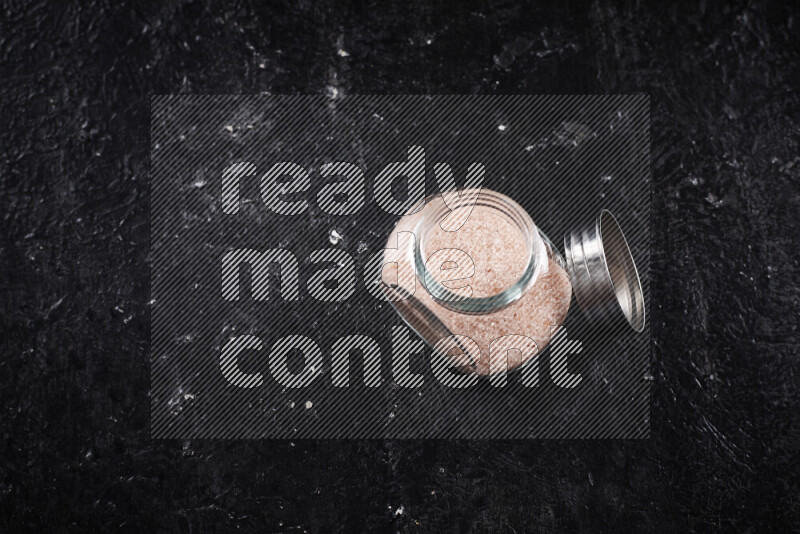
[{"x": 535, "y": 250}]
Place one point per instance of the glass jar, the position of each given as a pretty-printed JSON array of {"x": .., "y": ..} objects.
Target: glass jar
[{"x": 473, "y": 272}]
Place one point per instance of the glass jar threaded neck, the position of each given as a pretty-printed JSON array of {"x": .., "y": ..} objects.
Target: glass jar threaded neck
[{"x": 500, "y": 206}]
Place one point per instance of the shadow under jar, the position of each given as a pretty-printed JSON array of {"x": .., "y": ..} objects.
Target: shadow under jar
[{"x": 475, "y": 277}]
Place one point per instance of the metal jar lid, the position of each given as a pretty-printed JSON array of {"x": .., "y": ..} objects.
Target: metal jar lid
[{"x": 604, "y": 275}]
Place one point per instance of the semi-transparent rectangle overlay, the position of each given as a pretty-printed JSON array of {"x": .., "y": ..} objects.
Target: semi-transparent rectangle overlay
[{"x": 271, "y": 213}]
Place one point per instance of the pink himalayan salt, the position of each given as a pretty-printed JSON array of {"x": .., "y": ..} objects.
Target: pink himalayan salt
[
  {"x": 499, "y": 253},
  {"x": 494, "y": 244}
]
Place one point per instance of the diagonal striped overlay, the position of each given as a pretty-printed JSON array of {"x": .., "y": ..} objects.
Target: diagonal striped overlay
[{"x": 266, "y": 322}]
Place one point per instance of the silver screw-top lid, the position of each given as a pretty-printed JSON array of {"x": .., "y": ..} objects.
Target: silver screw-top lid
[{"x": 604, "y": 276}]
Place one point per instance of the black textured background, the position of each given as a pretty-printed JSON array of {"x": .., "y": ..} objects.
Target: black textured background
[{"x": 75, "y": 89}]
